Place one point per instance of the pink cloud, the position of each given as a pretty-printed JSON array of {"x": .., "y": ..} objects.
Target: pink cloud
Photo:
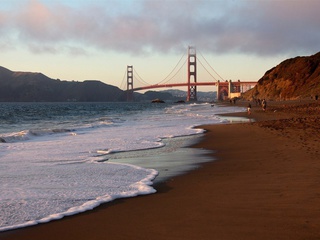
[{"x": 254, "y": 27}]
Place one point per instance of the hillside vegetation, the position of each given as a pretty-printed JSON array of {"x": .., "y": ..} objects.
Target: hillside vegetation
[{"x": 292, "y": 79}]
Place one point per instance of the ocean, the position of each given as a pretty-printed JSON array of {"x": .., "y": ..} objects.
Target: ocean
[{"x": 59, "y": 159}]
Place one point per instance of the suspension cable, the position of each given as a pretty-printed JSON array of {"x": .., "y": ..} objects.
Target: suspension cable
[
  {"x": 210, "y": 66},
  {"x": 175, "y": 73},
  {"x": 167, "y": 79},
  {"x": 173, "y": 70},
  {"x": 123, "y": 83},
  {"x": 206, "y": 69},
  {"x": 140, "y": 78}
]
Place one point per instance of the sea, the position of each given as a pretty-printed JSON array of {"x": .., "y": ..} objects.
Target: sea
[{"x": 60, "y": 159}]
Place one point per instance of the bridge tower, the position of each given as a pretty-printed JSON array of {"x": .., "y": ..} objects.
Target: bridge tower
[
  {"x": 129, "y": 83},
  {"x": 192, "y": 74}
]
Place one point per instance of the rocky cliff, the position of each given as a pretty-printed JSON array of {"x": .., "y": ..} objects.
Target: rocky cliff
[{"x": 294, "y": 78}]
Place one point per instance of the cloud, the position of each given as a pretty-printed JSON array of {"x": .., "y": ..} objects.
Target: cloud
[
  {"x": 280, "y": 26},
  {"x": 145, "y": 26}
]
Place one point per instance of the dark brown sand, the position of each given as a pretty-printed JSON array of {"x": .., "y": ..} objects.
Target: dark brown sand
[{"x": 264, "y": 185}]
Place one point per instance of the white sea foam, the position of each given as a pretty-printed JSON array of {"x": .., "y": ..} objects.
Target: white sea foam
[
  {"x": 48, "y": 192},
  {"x": 47, "y": 174}
]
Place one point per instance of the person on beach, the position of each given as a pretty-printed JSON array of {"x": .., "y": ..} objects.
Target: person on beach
[
  {"x": 249, "y": 109},
  {"x": 264, "y": 105}
]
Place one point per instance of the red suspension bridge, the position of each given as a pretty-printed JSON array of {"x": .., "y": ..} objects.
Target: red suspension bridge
[{"x": 225, "y": 89}]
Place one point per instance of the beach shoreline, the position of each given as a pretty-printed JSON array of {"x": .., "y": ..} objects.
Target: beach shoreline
[{"x": 263, "y": 185}]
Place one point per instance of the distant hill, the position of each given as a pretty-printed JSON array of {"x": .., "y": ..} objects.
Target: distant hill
[
  {"x": 294, "y": 78},
  {"x": 36, "y": 87}
]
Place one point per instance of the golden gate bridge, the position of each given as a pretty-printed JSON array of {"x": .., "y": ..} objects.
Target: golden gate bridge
[{"x": 225, "y": 89}]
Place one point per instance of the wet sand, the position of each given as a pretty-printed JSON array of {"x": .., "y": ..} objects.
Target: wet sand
[{"x": 265, "y": 184}]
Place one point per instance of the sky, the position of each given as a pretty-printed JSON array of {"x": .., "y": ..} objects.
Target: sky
[{"x": 96, "y": 39}]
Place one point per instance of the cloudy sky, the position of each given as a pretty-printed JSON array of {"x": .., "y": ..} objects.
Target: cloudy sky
[{"x": 97, "y": 39}]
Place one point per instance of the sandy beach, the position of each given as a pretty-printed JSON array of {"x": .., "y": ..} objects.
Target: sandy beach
[{"x": 265, "y": 184}]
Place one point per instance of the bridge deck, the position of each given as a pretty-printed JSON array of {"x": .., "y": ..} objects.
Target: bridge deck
[{"x": 192, "y": 84}]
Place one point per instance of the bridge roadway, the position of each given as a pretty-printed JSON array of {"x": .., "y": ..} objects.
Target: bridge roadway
[{"x": 191, "y": 84}]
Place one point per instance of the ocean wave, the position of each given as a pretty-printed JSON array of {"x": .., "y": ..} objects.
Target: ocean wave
[{"x": 26, "y": 135}]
